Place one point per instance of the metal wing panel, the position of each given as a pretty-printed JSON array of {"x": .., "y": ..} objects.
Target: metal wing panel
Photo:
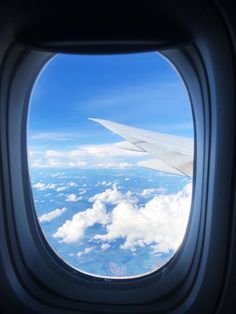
[{"x": 175, "y": 151}]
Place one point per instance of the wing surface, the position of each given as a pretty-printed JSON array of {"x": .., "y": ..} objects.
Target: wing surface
[{"x": 173, "y": 154}]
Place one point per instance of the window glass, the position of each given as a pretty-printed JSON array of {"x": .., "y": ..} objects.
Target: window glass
[{"x": 110, "y": 151}]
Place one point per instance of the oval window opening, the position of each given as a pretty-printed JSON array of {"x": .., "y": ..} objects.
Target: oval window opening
[{"x": 110, "y": 151}]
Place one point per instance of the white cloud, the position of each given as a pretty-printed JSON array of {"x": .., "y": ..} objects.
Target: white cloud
[
  {"x": 77, "y": 164},
  {"x": 149, "y": 192},
  {"x": 73, "y": 230},
  {"x": 105, "y": 246},
  {"x": 111, "y": 196},
  {"x": 85, "y": 251},
  {"x": 51, "y": 186},
  {"x": 72, "y": 198},
  {"x": 54, "y": 159},
  {"x": 115, "y": 165},
  {"x": 62, "y": 188},
  {"x": 54, "y": 154},
  {"x": 107, "y": 150},
  {"x": 42, "y": 186},
  {"x": 82, "y": 191},
  {"x": 86, "y": 156},
  {"x": 161, "y": 222},
  {"x": 52, "y": 215},
  {"x": 39, "y": 186},
  {"x": 57, "y": 174},
  {"x": 103, "y": 183},
  {"x": 71, "y": 184}
]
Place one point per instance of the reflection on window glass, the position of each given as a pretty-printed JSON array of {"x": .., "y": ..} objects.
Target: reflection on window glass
[{"x": 110, "y": 146}]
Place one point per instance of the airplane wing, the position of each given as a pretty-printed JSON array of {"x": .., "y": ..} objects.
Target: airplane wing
[{"x": 173, "y": 154}]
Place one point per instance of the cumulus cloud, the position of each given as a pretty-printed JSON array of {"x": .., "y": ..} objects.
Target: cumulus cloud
[
  {"x": 112, "y": 196},
  {"x": 71, "y": 183},
  {"x": 57, "y": 174},
  {"x": 72, "y": 198},
  {"x": 73, "y": 230},
  {"x": 160, "y": 223},
  {"x": 42, "y": 186},
  {"x": 103, "y": 183},
  {"x": 82, "y": 191},
  {"x": 162, "y": 220},
  {"x": 50, "y": 186},
  {"x": 39, "y": 186},
  {"x": 85, "y": 251},
  {"x": 148, "y": 192},
  {"x": 62, "y": 188},
  {"x": 105, "y": 246},
  {"x": 52, "y": 215}
]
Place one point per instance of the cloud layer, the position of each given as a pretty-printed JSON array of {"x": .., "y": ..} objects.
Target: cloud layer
[
  {"x": 87, "y": 156},
  {"x": 160, "y": 222}
]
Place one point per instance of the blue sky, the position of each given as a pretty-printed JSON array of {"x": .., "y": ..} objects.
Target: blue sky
[{"x": 141, "y": 90}]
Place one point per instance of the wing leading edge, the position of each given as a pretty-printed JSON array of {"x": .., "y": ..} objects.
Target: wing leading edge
[{"x": 173, "y": 154}]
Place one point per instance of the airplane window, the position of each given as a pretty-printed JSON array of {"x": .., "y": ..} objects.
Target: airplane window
[{"x": 110, "y": 152}]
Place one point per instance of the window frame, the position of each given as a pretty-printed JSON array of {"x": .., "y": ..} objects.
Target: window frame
[
  {"x": 40, "y": 259},
  {"x": 51, "y": 283}
]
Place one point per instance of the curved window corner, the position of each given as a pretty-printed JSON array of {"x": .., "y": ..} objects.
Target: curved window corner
[{"x": 110, "y": 151}]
